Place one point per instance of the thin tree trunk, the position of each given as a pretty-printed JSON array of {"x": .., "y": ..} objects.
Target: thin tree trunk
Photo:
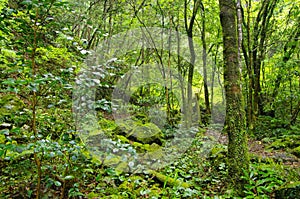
[
  {"x": 189, "y": 31},
  {"x": 204, "y": 60},
  {"x": 249, "y": 63}
]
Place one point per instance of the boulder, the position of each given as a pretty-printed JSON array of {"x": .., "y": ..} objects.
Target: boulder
[{"x": 147, "y": 133}]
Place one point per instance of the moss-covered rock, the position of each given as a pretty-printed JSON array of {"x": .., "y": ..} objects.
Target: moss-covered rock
[
  {"x": 143, "y": 133},
  {"x": 152, "y": 147},
  {"x": 125, "y": 127},
  {"x": 108, "y": 126},
  {"x": 147, "y": 133},
  {"x": 123, "y": 139},
  {"x": 122, "y": 167},
  {"x": 155, "y": 152},
  {"x": 112, "y": 161},
  {"x": 169, "y": 180},
  {"x": 288, "y": 191},
  {"x": 138, "y": 146}
]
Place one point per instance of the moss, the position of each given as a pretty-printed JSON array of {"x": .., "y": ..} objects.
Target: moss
[
  {"x": 113, "y": 161},
  {"x": 139, "y": 147},
  {"x": 143, "y": 118},
  {"x": 218, "y": 151},
  {"x": 147, "y": 133},
  {"x": 108, "y": 125},
  {"x": 126, "y": 126},
  {"x": 143, "y": 133},
  {"x": 154, "y": 147},
  {"x": 122, "y": 167},
  {"x": 154, "y": 152},
  {"x": 168, "y": 180},
  {"x": 93, "y": 195},
  {"x": 122, "y": 138},
  {"x": 260, "y": 159}
]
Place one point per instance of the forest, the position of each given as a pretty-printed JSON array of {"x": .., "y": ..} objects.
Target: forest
[{"x": 149, "y": 99}]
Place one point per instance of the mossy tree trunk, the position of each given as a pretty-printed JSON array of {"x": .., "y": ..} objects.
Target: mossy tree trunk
[{"x": 235, "y": 124}]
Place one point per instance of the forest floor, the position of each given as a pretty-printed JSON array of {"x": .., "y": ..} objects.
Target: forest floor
[{"x": 260, "y": 149}]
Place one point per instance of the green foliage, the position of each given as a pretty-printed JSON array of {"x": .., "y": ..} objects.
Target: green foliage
[
  {"x": 288, "y": 191},
  {"x": 269, "y": 127},
  {"x": 296, "y": 151},
  {"x": 263, "y": 180},
  {"x": 43, "y": 44}
]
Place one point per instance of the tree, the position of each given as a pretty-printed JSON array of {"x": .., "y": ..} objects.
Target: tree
[
  {"x": 238, "y": 159},
  {"x": 204, "y": 58},
  {"x": 189, "y": 30}
]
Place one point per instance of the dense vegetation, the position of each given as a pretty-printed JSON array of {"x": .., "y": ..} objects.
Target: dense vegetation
[{"x": 153, "y": 77}]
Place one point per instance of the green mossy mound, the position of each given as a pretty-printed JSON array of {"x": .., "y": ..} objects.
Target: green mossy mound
[
  {"x": 147, "y": 133},
  {"x": 169, "y": 180},
  {"x": 143, "y": 133},
  {"x": 125, "y": 127}
]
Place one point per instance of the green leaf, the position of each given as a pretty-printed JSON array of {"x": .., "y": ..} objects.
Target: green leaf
[
  {"x": 57, "y": 183},
  {"x": 69, "y": 177},
  {"x": 89, "y": 170}
]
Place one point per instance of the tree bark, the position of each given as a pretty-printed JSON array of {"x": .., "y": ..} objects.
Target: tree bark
[
  {"x": 235, "y": 125},
  {"x": 204, "y": 60},
  {"x": 189, "y": 30}
]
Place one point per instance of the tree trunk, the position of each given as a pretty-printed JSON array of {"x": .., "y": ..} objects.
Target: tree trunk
[
  {"x": 261, "y": 27},
  {"x": 189, "y": 31},
  {"x": 204, "y": 60},
  {"x": 248, "y": 60},
  {"x": 235, "y": 126}
]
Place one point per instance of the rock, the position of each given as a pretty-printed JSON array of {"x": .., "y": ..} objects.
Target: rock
[
  {"x": 288, "y": 191},
  {"x": 155, "y": 152},
  {"x": 147, "y": 133},
  {"x": 122, "y": 138},
  {"x": 112, "y": 161},
  {"x": 125, "y": 127},
  {"x": 168, "y": 180},
  {"x": 139, "y": 132},
  {"x": 284, "y": 157}
]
